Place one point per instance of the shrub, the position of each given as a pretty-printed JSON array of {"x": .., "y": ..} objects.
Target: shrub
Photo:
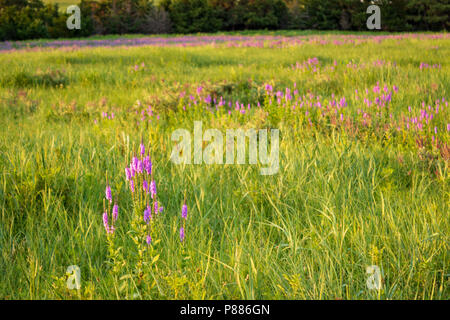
[
  {"x": 30, "y": 19},
  {"x": 128, "y": 16}
]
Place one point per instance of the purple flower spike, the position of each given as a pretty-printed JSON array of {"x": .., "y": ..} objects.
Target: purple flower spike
[
  {"x": 148, "y": 165},
  {"x": 153, "y": 189},
  {"x": 161, "y": 209},
  {"x": 142, "y": 149},
  {"x": 147, "y": 215},
  {"x": 140, "y": 166},
  {"x": 128, "y": 173},
  {"x": 105, "y": 221},
  {"x": 156, "y": 207},
  {"x": 134, "y": 163},
  {"x": 115, "y": 212},
  {"x": 132, "y": 186},
  {"x": 108, "y": 194},
  {"x": 145, "y": 186},
  {"x": 182, "y": 234},
  {"x": 184, "y": 211},
  {"x": 148, "y": 240}
]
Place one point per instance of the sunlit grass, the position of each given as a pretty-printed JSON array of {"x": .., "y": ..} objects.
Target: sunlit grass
[{"x": 338, "y": 204}]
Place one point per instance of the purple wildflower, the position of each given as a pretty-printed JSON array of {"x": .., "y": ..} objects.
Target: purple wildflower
[
  {"x": 156, "y": 207},
  {"x": 128, "y": 173},
  {"x": 184, "y": 211},
  {"x": 148, "y": 165},
  {"x": 115, "y": 212},
  {"x": 147, "y": 214},
  {"x": 153, "y": 188},
  {"x": 148, "y": 240},
  {"x": 142, "y": 149},
  {"x": 105, "y": 221},
  {"x": 145, "y": 186},
  {"x": 132, "y": 186},
  {"x": 182, "y": 234},
  {"x": 108, "y": 193},
  {"x": 139, "y": 166},
  {"x": 134, "y": 163}
]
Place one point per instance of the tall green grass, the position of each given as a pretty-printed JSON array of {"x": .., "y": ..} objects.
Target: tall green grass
[{"x": 337, "y": 205}]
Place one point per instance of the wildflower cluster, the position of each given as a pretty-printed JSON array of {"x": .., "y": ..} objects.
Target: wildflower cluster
[
  {"x": 424, "y": 65},
  {"x": 106, "y": 209},
  {"x": 369, "y": 113},
  {"x": 310, "y": 64},
  {"x": 139, "y": 175},
  {"x": 138, "y": 67},
  {"x": 115, "y": 257},
  {"x": 146, "y": 224}
]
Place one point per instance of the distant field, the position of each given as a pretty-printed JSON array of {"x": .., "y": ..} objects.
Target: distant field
[
  {"x": 363, "y": 174},
  {"x": 63, "y": 4}
]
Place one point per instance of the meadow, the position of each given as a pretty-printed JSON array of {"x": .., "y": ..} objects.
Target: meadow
[{"x": 363, "y": 177}]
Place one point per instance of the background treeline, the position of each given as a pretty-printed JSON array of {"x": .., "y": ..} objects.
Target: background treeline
[{"x": 27, "y": 19}]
